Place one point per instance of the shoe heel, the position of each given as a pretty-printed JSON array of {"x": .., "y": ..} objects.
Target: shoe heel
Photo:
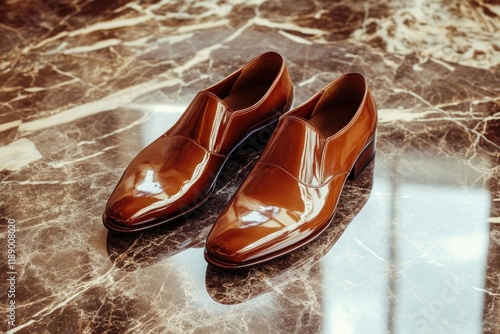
[{"x": 363, "y": 160}]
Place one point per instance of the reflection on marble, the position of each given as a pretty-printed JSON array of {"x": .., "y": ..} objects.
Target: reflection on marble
[{"x": 414, "y": 246}]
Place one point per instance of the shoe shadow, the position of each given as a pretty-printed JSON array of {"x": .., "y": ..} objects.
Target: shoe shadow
[
  {"x": 138, "y": 250},
  {"x": 238, "y": 286}
]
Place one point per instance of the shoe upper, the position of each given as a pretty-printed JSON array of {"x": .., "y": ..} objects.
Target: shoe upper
[
  {"x": 292, "y": 191},
  {"x": 178, "y": 170}
]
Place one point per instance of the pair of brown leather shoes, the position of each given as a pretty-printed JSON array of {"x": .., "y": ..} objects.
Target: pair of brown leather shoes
[{"x": 290, "y": 195}]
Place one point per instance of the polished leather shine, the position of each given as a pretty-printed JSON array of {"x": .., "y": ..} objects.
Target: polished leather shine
[
  {"x": 291, "y": 194},
  {"x": 177, "y": 172}
]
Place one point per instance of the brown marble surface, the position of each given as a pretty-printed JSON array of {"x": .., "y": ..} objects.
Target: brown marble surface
[{"x": 414, "y": 246}]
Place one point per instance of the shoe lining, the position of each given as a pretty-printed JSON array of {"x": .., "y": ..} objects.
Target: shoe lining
[
  {"x": 252, "y": 83},
  {"x": 246, "y": 96},
  {"x": 332, "y": 118},
  {"x": 338, "y": 105}
]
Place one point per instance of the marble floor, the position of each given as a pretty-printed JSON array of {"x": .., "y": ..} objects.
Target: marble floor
[{"x": 414, "y": 246}]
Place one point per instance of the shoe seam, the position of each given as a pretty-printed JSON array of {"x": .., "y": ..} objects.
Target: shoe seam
[
  {"x": 197, "y": 144},
  {"x": 329, "y": 180}
]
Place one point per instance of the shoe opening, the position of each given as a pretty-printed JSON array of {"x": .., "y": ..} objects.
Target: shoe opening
[
  {"x": 251, "y": 83},
  {"x": 338, "y": 104}
]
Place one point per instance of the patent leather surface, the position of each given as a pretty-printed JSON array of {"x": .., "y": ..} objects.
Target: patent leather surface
[
  {"x": 291, "y": 194},
  {"x": 177, "y": 172}
]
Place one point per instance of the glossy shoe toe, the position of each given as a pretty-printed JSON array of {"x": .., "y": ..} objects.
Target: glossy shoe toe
[
  {"x": 257, "y": 225},
  {"x": 169, "y": 178},
  {"x": 126, "y": 211}
]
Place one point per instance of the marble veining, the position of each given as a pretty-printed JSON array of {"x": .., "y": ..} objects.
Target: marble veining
[
  {"x": 18, "y": 154},
  {"x": 463, "y": 32},
  {"x": 415, "y": 243}
]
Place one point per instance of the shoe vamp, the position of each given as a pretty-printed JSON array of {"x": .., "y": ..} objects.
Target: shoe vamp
[{"x": 274, "y": 211}]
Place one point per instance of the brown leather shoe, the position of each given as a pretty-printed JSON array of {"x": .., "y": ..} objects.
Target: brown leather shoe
[
  {"x": 177, "y": 172},
  {"x": 290, "y": 195}
]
